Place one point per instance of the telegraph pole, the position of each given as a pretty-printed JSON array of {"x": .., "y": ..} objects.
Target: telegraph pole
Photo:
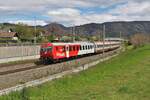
[
  {"x": 103, "y": 40},
  {"x": 35, "y": 29},
  {"x": 99, "y": 33},
  {"x": 121, "y": 44},
  {"x": 120, "y": 37},
  {"x": 73, "y": 32}
]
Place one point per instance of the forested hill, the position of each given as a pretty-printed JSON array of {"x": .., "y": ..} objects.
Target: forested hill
[{"x": 112, "y": 28}]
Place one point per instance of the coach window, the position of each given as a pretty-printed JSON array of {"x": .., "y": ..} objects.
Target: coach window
[
  {"x": 80, "y": 47},
  {"x": 74, "y": 48},
  {"x": 63, "y": 49},
  {"x": 70, "y": 48},
  {"x": 83, "y": 47},
  {"x": 89, "y": 46},
  {"x": 77, "y": 48},
  {"x": 56, "y": 48}
]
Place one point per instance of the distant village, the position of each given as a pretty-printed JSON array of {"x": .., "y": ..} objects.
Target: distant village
[{"x": 27, "y": 34}]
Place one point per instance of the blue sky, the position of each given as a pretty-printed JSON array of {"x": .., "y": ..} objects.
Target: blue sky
[{"x": 73, "y": 12}]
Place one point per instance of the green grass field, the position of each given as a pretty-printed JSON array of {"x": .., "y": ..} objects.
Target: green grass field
[{"x": 125, "y": 77}]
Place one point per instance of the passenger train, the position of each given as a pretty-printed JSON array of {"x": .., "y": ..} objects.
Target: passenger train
[{"x": 57, "y": 51}]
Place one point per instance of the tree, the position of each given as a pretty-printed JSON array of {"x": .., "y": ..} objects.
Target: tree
[
  {"x": 51, "y": 38},
  {"x": 138, "y": 40},
  {"x": 24, "y": 31}
]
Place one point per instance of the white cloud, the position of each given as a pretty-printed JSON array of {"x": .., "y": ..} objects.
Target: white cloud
[
  {"x": 68, "y": 12},
  {"x": 30, "y": 22},
  {"x": 129, "y": 12},
  {"x": 133, "y": 8},
  {"x": 43, "y": 4},
  {"x": 74, "y": 17}
]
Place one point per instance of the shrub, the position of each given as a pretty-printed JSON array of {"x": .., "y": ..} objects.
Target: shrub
[{"x": 138, "y": 40}]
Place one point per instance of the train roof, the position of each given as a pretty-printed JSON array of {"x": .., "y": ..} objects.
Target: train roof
[
  {"x": 77, "y": 43},
  {"x": 73, "y": 43}
]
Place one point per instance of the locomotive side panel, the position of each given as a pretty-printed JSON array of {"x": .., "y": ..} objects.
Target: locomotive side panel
[{"x": 59, "y": 52}]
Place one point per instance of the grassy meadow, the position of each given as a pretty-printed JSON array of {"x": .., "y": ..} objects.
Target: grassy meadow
[{"x": 125, "y": 77}]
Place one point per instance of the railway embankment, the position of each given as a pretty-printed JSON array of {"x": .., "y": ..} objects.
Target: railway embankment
[{"x": 24, "y": 78}]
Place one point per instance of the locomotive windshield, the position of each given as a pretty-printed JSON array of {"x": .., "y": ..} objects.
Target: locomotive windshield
[{"x": 46, "y": 49}]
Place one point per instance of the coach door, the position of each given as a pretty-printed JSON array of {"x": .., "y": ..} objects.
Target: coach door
[{"x": 67, "y": 51}]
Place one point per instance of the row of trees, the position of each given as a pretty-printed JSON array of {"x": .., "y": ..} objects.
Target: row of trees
[{"x": 27, "y": 33}]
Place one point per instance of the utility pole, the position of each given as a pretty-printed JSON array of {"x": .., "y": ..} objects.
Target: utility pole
[
  {"x": 99, "y": 33},
  {"x": 103, "y": 39},
  {"x": 35, "y": 29},
  {"x": 120, "y": 38},
  {"x": 73, "y": 32}
]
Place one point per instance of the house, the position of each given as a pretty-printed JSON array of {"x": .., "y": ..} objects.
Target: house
[{"x": 8, "y": 36}]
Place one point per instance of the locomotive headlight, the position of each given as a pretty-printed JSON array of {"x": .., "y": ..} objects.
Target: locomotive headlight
[{"x": 45, "y": 52}]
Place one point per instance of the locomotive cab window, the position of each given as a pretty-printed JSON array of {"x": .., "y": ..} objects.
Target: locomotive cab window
[
  {"x": 43, "y": 49},
  {"x": 49, "y": 49}
]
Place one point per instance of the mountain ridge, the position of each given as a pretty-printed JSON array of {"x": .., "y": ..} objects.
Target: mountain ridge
[{"x": 127, "y": 28}]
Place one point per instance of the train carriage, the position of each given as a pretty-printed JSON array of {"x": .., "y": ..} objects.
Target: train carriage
[{"x": 107, "y": 45}]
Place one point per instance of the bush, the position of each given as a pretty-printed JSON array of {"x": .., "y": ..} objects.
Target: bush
[{"x": 138, "y": 40}]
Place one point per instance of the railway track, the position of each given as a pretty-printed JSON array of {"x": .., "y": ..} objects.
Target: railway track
[
  {"x": 24, "y": 67},
  {"x": 19, "y": 69}
]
